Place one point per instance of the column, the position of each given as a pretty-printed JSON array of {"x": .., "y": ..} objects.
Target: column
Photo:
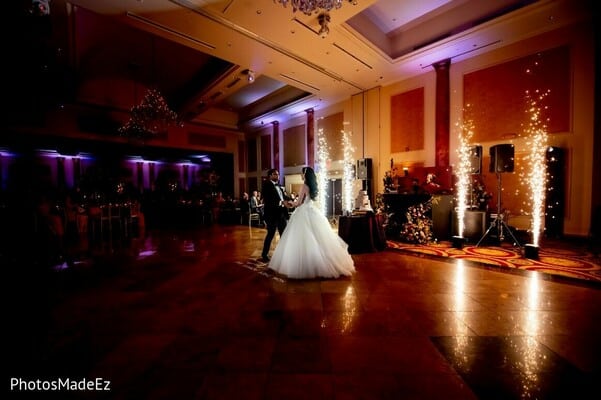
[
  {"x": 310, "y": 137},
  {"x": 442, "y": 112},
  {"x": 275, "y": 133},
  {"x": 2, "y": 184},
  {"x": 60, "y": 173},
  {"x": 140, "y": 176},
  {"x": 76, "y": 171},
  {"x": 186, "y": 179},
  {"x": 151, "y": 176}
]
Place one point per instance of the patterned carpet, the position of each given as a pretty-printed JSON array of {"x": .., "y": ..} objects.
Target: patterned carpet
[{"x": 564, "y": 262}]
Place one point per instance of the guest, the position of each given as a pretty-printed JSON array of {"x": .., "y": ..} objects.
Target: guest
[
  {"x": 255, "y": 202},
  {"x": 256, "y": 206},
  {"x": 259, "y": 199},
  {"x": 50, "y": 232},
  {"x": 293, "y": 198},
  {"x": 71, "y": 221},
  {"x": 217, "y": 205},
  {"x": 432, "y": 186},
  {"x": 244, "y": 206},
  {"x": 275, "y": 211}
]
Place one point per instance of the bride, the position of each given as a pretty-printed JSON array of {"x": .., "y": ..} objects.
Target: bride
[{"x": 309, "y": 248}]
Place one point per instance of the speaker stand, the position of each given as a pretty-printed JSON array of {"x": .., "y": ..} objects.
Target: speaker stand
[{"x": 498, "y": 223}]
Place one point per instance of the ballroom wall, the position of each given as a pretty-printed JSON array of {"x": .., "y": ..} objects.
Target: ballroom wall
[
  {"x": 369, "y": 117},
  {"x": 577, "y": 141}
]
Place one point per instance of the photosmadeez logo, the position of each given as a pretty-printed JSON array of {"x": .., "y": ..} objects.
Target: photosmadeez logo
[{"x": 59, "y": 384}]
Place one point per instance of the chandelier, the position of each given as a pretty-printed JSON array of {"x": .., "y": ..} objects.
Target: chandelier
[
  {"x": 314, "y": 6},
  {"x": 324, "y": 20},
  {"x": 149, "y": 119}
]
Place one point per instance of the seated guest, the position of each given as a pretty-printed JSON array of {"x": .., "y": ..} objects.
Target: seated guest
[
  {"x": 432, "y": 186},
  {"x": 244, "y": 203},
  {"x": 256, "y": 206},
  {"x": 244, "y": 206},
  {"x": 217, "y": 203}
]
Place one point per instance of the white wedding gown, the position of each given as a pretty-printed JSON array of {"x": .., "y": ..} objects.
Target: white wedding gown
[{"x": 309, "y": 248}]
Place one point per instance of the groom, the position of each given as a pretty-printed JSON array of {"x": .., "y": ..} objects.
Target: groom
[{"x": 275, "y": 211}]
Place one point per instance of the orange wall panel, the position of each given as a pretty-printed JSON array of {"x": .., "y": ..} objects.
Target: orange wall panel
[
  {"x": 495, "y": 98},
  {"x": 407, "y": 121}
]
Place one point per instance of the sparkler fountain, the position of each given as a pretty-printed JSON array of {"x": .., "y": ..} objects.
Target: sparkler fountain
[
  {"x": 323, "y": 155},
  {"x": 466, "y": 131},
  {"x": 348, "y": 177},
  {"x": 536, "y": 178}
]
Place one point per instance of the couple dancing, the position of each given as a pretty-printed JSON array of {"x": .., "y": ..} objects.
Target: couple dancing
[{"x": 308, "y": 247}]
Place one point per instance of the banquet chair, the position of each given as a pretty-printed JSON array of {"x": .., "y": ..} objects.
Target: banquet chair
[
  {"x": 134, "y": 217},
  {"x": 105, "y": 220},
  {"x": 254, "y": 216},
  {"x": 110, "y": 220}
]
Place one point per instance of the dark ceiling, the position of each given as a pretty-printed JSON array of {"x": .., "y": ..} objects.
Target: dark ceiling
[
  {"x": 96, "y": 54},
  {"x": 49, "y": 70}
]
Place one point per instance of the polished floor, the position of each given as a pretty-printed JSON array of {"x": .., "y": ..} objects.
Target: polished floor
[{"x": 193, "y": 314}]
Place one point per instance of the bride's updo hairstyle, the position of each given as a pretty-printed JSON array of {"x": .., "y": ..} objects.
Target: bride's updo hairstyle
[{"x": 311, "y": 181}]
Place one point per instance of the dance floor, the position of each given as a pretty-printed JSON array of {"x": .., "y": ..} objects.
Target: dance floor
[
  {"x": 559, "y": 260},
  {"x": 194, "y": 314}
]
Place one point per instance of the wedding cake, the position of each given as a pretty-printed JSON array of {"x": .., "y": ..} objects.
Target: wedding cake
[{"x": 362, "y": 202}]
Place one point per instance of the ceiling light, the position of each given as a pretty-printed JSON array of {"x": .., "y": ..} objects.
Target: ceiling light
[
  {"x": 314, "y": 6},
  {"x": 250, "y": 75}
]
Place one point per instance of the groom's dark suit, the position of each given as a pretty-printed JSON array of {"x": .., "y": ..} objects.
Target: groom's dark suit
[{"x": 274, "y": 213}]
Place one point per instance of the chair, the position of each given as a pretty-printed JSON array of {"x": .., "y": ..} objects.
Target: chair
[
  {"x": 116, "y": 220},
  {"x": 105, "y": 220},
  {"x": 110, "y": 215},
  {"x": 94, "y": 221},
  {"x": 129, "y": 218},
  {"x": 254, "y": 216}
]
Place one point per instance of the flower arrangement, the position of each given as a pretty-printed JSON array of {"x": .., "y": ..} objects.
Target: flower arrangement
[
  {"x": 418, "y": 228},
  {"x": 380, "y": 208},
  {"x": 388, "y": 181}
]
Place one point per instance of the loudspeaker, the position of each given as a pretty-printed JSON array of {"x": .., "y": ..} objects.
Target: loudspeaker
[
  {"x": 475, "y": 159},
  {"x": 441, "y": 216},
  {"x": 474, "y": 225},
  {"x": 501, "y": 158},
  {"x": 364, "y": 168}
]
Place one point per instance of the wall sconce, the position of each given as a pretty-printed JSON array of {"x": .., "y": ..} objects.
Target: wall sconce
[{"x": 406, "y": 171}]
